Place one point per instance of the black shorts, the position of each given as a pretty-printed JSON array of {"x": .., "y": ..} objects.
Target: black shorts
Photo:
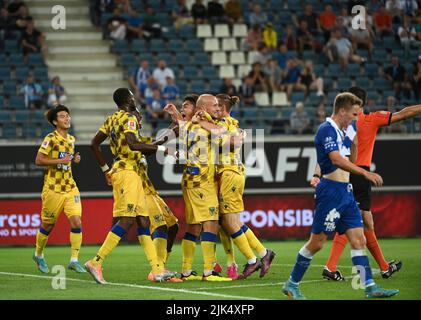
[{"x": 362, "y": 190}]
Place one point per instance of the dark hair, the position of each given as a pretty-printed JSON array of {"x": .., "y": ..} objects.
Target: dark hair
[
  {"x": 360, "y": 93},
  {"x": 228, "y": 101},
  {"x": 345, "y": 100},
  {"x": 191, "y": 98},
  {"x": 120, "y": 96},
  {"x": 51, "y": 114}
]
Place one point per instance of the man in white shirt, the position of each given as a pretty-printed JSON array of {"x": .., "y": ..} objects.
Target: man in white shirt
[{"x": 162, "y": 72}]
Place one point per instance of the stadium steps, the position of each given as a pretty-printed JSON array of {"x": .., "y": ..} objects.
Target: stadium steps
[{"x": 82, "y": 59}]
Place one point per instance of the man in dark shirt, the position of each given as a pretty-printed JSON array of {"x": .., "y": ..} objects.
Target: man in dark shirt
[
  {"x": 33, "y": 41},
  {"x": 398, "y": 77},
  {"x": 311, "y": 18},
  {"x": 216, "y": 12}
]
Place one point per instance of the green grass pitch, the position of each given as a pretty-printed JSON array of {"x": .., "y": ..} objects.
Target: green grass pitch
[{"x": 126, "y": 269}]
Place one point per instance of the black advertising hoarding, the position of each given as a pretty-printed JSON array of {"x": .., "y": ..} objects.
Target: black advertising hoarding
[{"x": 272, "y": 167}]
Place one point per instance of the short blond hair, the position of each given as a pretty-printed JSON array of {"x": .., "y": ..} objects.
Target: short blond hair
[{"x": 345, "y": 100}]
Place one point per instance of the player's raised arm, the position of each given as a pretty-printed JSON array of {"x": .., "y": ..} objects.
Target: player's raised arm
[
  {"x": 99, "y": 138},
  {"x": 44, "y": 160},
  {"x": 354, "y": 150},
  {"x": 340, "y": 162},
  {"x": 147, "y": 149},
  {"x": 316, "y": 176},
  {"x": 406, "y": 113}
]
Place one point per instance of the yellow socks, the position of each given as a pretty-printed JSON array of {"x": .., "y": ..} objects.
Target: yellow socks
[
  {"x": 41, "y": 241},
  {"x": 160, "y": 242},
  {"x": 188, "y": 246},
  {"x": 228, "y": 247},
  {"x": 112, "y": 240},
  {"x": 75, "y": 242},
  {"x": 254, "y": 243},
  {"x": 208, "y": 244},
  {"x": 242, "y": 243},
  {"x": 145, "y": 240}
]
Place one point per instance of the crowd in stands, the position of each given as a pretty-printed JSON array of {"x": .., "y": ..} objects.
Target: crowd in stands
[
  {"x": 25, "y": 89},
  {"x": 305, "y": 49}
]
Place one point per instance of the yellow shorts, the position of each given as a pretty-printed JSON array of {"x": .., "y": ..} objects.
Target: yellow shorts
[
  {"x": 231, "y": 189},
  {"x": 159, "y": 213},
  {"x": 129, "y": 197},
  {"x": 53, "y": 203},
  {"x": 201, "y": 203}
]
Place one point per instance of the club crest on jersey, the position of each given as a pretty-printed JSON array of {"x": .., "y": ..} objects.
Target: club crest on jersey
[
  {"x": 45, "y": 143},
  {"x": 132, "y": 125}
]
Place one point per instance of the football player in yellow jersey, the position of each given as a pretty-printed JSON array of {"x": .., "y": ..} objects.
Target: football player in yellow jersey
[
  {"x": 60, "y": 192},
  {"x": 231, "y": 182},
  {"x": 122, "y": 129},
  {"x": 199, "y": 186}
]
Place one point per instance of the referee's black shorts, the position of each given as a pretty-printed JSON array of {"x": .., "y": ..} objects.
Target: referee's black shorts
[{"x": 362, "y": 190}]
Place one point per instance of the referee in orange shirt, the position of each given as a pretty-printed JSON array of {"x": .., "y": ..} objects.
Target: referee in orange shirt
[{"x": 367, "y": 127}]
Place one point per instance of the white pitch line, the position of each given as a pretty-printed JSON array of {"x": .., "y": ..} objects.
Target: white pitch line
[
  {"x": 375, "y": 271},
  {"x": 137, "y": 286}
]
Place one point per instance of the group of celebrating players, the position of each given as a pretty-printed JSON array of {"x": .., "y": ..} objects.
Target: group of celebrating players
[{"x": 210, "y": 143}]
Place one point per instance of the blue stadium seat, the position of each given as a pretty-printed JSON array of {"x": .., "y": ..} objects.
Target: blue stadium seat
[
  {"x": 22, "y": 117},
  {"x": 197, "y": 86},
  {"x": 319, "y": 69},
  {"x": 286, "y": 112},
  {"x": 9, "y": 88},
  {"x": 30, "y": 131},
  {"x": 121, "y": 46},
  {"x": 2, "y": 106},
  {"x": 9, "y": 131},
  {"x": 381, "y": 84},
  {"x": 17, "y": 102},
  {"x": 167, "y": 57},
  {"x": 371, "y": 69},
  {"x": 209, "y": 72},
  {"x": 353, "y": 70},
  {"x": 214, "y": 85},
  {"x": 334, "y": 70},
  {"x": 187, "y": 32},
  {"x": 182, "y": 86},
  {"x": 11, "y": 46},
  {"x": 363, "y": 82},
  {"x": 41, "y": 74},
  {"x": 297, "y": 97},
  {"x": 182, "y": 58},
  {"x": 194, "y": 45},
  {"x": 16, "y": 60},
  {"x": 201, "y": 58},
  {"x": 270, "y": 113},
  {"x": 191, "y": 72},
  {"x": 176, "y": 45},
  {"x": 250, "y": 113},
  {"x": 344, "y": 83},
  {"x": 139, "y": 45},
  {"x": 22, "y": 73},
  {"x": 158, "y": 45},
  {"x": 5, "y": 116},
  {"x": 35, "y": 59}
]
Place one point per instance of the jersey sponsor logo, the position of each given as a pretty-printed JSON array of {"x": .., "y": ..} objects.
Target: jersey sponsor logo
[
  {"x": 331, "y": 218},
  {"x": 131, "y": 125},
  {"x": 45, "y": 143},
  {"x": 77, "y": 199}
]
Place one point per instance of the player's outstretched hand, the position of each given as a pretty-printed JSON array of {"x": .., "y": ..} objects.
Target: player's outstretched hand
[
  {"x": 170, "y": 108},
  {"x": 376, "y": 179},
  {"x": 108, "y": 178},
  {"x": 314, "y": 182},
  {"x": 77, "y": 157}
]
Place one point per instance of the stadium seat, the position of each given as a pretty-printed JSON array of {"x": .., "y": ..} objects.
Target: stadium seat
[
  {"x": 121, "y": 46},
  {"x": 191, "y": 72},
  {"x": 237, "y": 57},
  {"x": 182, "y": 58},
  {"x": 262, "y": 99},
  {"x": 22, "y": 117},
  {"x": 204, "y": 31},
  {"x": 229, "y": 44},
  {"x": 201, "y": 58},
  {"x": 211, "y": 44},
  {"x": 194, "y": 45},
  {"x": 8, "y": 131},
  {"x": 251, "y": 56},
  {"x": 279, "y": 99},
  {"x": 209, "y": 72},
  {"x": 17, "y": 60},
  {"x": 344, "y": 84},
  {"x": 221, "y": 31},
  {"x": 219, "y": 58},
  {"x": 297, "y": 97},
  {"x": 139, "y": 45},
  {"x": 250, "y": 113},
  {"x": 239, "y": 31},
  {"x": 363, "y": 82},
  {"x": 175, "y": 45},
  {"x": 158, "y": 45},
  {"x": 17, "y": 102},
  {"x": 243, "y": 70},
  {"x": 226, "y": 71},
  {"x": 9, "y": 88},
  {"x": 197, "y": 86},
  {"x": 381, "y": 84},
  {"x": 5, "y": 117},
  {"x": 215, "y": 85},
  {"x": 371, "y": 69},
  {"x": 35, "y": 59},
  {"x": 353, "y": 70},
  {"x": 11, "y": 46}
]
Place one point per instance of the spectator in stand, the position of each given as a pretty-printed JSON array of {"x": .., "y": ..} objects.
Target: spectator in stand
[
  {"x": 134, "y": 26},
  {"x": 56, "y": 93},
  {"x": 139, "y": 79},
  {"x": 181, "y": 15},
  {"x": 308, "y": 80},
  {"x": 290, "y": 76},
  {"x": 374, "y": 5},
  {"x": 311, "y": 18},
  {"x": 13, "y": 7},
  {"x": 416, "y": 79},
  {"x": 258, "y": 77},
  {"x": 290, "y": 39},
  {"x": 6, "y": 24},
  {"x": 263, "y": 55},
  {"x": 198, "y": 12},
  {"x": 246, "y": 92},
  {"x": 155, "y": 106},
  {"x": 170, "y": 92},
  {"x": 117, "y": 26},
  {"x": 216, "y": 12},
  {"x": 398, "y": 77},
  {"x": 228, "y": 88},
  {"x": 270, "y": 37},
  {"x": 162, "y": 72},
  {"x": 408, "y": 7},
  {"x": 33, "y": 41},
  {"x": 339, "y": 49},
  {"x": 32, "y": 93},
  {"x": 258, "y": 17},
  {"x": 21, "y": 20},
  {"x": 123, "y": 6},
  {"x": 300, "y": 121},
  {"x": 151, "y": 85},
  {"x": 408, "y": 35},
  {"x": 233, "y": 11},
  {"x": 344, "y": 22},
  {"x": 418, "y": 25},
  {"x": 320, "y": 114},
  {"x": 393, "y": 8},
  {"x": 151, "y": 27},
  {"x": 364, "y": 38},
  {"x": 305, "y": 38},
  {"x": 282, "y": 56},
  {"x": 327, "y": 21},
  {"x": 273, "y": 73},
  {"x": 383, "y": 22},
  {"x": 254, "y": 39}
]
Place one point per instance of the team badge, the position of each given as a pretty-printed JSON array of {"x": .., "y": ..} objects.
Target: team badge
[
  {"x": 132, "y": 125},
  {"x": 45, "y": 144}
]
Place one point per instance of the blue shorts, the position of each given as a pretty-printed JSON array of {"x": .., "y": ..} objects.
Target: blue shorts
[{"x": 336, "y": 208}]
